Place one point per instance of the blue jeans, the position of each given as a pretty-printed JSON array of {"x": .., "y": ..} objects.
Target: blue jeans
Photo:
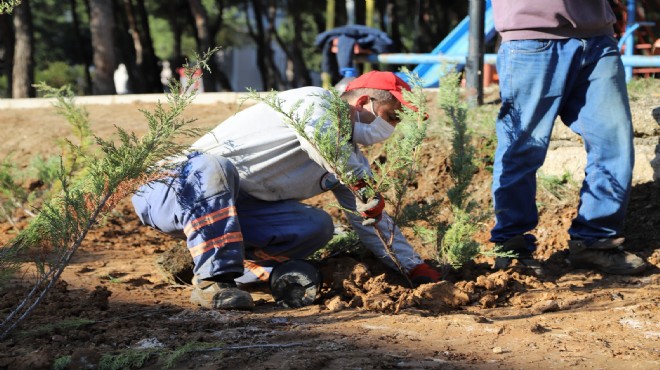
[
  {"x": 582, "y": 81},
  {"x": 226, "y": 230}
]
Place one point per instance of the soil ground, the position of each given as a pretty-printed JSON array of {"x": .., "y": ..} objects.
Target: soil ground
[{"x": 112, "y": 299}]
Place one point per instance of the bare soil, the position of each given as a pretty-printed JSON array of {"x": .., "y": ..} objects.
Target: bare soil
[{"x": 366, "y": 316}]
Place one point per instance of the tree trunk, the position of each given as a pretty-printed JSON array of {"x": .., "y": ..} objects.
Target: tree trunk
[
  {"x": 125, "y": 53},
  {"x": 214, "y": 28},
  {"x": 101, "y": 24},
  {"x": 389, "y": 20},
  {"x": 150, "y": 69},
  {"x": 137, "y": 67},
  {"x": 203, "y": 40},
  {"x": 391, "y": 26},
  {"x": 144, "y": 70},
  {"x": 23, "y": 70},
  {"x": 271, "y": 12},
  {"x": 7, "y": 52},
  {"x": 175, "y": 24},
  {"x": 258, "y": 36},
  {"x": 79, "y": 41},
  {"x": 301, "y": 75}
]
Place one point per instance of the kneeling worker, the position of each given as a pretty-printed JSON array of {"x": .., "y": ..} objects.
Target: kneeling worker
[{"x": 236, "y": 196}]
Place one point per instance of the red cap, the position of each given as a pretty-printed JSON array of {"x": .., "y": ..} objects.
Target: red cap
[{"x": 387, "y": 81}]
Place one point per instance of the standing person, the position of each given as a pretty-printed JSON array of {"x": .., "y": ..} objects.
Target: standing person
[
  {"x": 235, "y": 196},
  {"x": 558, "y": 58}
]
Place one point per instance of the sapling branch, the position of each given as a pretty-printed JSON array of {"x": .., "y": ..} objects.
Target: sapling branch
[
  {"x": 331, "y": 138},
  {"x": 54, "y": 236}
]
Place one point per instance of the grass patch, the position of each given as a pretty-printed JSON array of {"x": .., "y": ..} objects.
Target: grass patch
[
  {"x": 561, "y": 190},
  {"x": 128, "y": 359},
  {"x": 63, "y": 325}
]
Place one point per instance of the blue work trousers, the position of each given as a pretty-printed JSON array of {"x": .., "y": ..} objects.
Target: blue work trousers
[
  {"x": 582, "y": 81},
  {"x": 227, "y": 231}
]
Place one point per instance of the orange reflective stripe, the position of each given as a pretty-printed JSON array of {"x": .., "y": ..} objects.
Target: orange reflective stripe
[
  {"x": 265, "y": 256},
  {"x": 215, "y": 243},
  {"x": 257, "y": 270},
  {"x": 208, "y": 219}
]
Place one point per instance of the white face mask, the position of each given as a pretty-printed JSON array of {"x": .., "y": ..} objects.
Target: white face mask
[{"x": 371, "y": 133}]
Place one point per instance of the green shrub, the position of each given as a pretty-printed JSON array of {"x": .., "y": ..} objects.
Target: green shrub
[
  {"x": 455, "y": 240},
  {"x": 59, "y": 74}
]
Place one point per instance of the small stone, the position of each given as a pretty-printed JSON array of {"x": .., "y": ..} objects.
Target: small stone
[
  {"x": 498, "y": 350},
  {"x": 481, "y": 320},
  {"x": 538, "y": 329}
]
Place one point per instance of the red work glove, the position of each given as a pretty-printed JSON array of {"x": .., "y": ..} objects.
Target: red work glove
[
  {"x": 424, "y": 274},
  {"x": 370, "y": 208}
]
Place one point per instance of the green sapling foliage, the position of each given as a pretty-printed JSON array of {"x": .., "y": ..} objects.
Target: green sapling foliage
[
  {"x": 456, "y": 244},
  {"x": 46, "y": 170},
  {"x": 401, "y": 168},
  {"x": 462, "y": 157},
  {"x": 55, "y": 234},
  {"x": 74, "y": 154},
  {"x": 12, "y": 194}
]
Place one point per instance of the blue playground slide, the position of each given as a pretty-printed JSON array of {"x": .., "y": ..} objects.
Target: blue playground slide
[{"x": 456, "y": 43}]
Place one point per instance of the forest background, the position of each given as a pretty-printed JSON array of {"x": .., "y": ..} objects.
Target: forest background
[{"x": 82, "y": 42}]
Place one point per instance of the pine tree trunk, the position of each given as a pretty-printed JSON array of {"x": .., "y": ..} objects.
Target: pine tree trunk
[
  {"x": 150, "y": 69},
  {"x": 391, "y": 26},
  {"x": 79, "y": 40},
  {"x": 137, "y": 68},
  {"x": 258, "y": 35},
  {"x": 175, "y": 24},
  {"x": 23, "y": 69},
  {"x": 300, "y": 70},
  {"x": 203, "y": 39},
  {"x": 101, "y": 25},
  {"x": 7, "y": 50},
  {"x": 214, "y": 27}
]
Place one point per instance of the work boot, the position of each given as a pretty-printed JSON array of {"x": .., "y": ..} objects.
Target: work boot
[
  {"x": 519, "y": 245},
  {"x": 220, "y": 295},
  {"x": 606, "y": 255}
]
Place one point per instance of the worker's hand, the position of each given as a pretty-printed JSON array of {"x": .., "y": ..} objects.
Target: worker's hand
[
  {"x": 370, "y": 207},
  {"x": 371, "y": 210},
  {"x": 424, "y": 274}
]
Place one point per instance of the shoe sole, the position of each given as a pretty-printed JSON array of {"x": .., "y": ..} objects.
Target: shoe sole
[{"x": 196, "y": 299}]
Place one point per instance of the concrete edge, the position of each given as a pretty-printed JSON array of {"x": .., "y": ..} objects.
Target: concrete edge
[{"x": 203, "y": 98}]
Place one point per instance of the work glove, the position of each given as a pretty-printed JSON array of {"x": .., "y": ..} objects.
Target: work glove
[
  {"x": 371, "y": 208},
  {"x": 424, "y": 274}
]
